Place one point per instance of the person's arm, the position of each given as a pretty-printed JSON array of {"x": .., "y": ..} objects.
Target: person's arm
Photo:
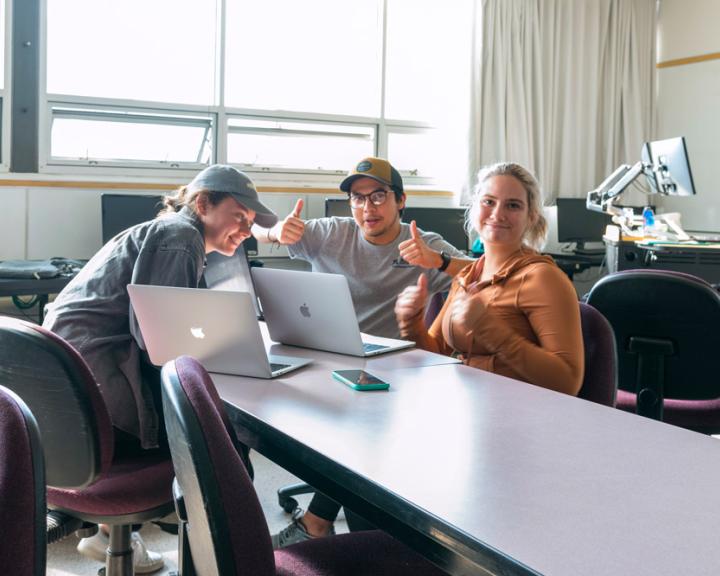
[
  {"x": 410, "y": 315},
  {"x": 417, "y": 252},
  {"x": 550, "y": 304},
  {"x": 287, "y": 231}
]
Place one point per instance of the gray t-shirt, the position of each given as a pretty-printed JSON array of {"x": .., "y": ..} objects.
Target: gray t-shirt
[{"x": 337, "y": 245}]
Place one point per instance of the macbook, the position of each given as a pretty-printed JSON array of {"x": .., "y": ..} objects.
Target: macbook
[
  {"x": 218, "y": 328},
  {"x": 315, "y": 310},
  {"x": 231, "y": 273}
]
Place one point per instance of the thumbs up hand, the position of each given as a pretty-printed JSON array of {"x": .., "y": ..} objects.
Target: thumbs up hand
[
  {"x": 414, "y": 251},
  {"x": 410, "y": 304},
  {"x": 292, "y": 228}
]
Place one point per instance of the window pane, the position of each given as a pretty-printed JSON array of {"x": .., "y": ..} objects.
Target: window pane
[
  {"x": 110, "y": 139},
  {"x": 313, "y": 56},
  {"x": 298, "y": 145},
  {"x": 435, "y": 154},
  {"x": 2, "y": 44},
  {"x": 428, "y": 60},
  {"x": 158, "y": 50}
]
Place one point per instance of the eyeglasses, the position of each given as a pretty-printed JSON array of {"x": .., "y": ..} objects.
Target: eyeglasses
[{"x": 378, "y": 198}]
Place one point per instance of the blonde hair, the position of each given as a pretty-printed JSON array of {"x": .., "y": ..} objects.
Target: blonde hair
[
  {"x": 177, "y": 200},
  {"x": 537, "y": 231}
]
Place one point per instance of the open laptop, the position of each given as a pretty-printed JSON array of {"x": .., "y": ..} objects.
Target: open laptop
[
  {"x": 216, "y": 327},
  {"x": 315, "y": 310},
  {"x": 231, "y": 273}
]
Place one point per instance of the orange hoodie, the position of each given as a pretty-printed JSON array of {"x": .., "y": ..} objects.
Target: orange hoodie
[{"x": 529, "y": 330}]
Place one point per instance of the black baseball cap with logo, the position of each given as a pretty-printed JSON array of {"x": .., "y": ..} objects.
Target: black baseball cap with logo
[{"x": 377, "y": 169}]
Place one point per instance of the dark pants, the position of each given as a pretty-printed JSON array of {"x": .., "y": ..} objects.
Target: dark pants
[{"x": 327, "y": 509}]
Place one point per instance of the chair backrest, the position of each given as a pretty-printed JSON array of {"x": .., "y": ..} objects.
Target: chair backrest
[
  {"x": 600, "y": 380},
  {"x": 227, "y": 530},
  {"x": 22, "y": 489},
  {"x": 664, "y": 306},
  {"x": 55, "y": 382}
]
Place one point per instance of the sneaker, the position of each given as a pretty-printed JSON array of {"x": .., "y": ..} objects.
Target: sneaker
[
  {"x": 145, "y": 561},
  {"x": 293, "y": 533}
]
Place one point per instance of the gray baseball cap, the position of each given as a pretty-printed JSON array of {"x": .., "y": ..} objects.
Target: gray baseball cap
[{"x": 224, "y": 178}]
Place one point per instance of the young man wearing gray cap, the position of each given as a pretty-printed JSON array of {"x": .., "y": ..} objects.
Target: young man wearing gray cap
[
  {"x": 366, "y": 249},
  {"x": 212, "y": 213}
]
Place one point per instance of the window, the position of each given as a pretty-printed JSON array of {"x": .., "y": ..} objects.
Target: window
[
  {"x": 319, "y": 56},
  {"x": 100, "y": 135},
  {"x": 275, "y": 86},
  {"x": 294, "y": 145}
]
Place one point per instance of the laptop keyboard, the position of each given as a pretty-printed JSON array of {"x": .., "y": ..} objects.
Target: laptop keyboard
[
  {"x": 274, "y": 366},
  {"x": 367, "y": 347}
]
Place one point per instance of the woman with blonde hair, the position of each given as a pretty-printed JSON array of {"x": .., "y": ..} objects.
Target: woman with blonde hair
[{"x": 512, "y": 311}]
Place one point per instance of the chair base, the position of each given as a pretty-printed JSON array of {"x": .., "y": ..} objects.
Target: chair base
[{"x": 286, "y": 493}]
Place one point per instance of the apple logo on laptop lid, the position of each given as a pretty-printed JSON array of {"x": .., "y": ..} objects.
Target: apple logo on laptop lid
[
  {"x": 197, "y": 333},
  {"x": 305, "y": 311}
]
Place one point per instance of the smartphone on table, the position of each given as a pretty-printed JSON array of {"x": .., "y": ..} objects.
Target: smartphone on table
[{"x": 360, "y": 380}]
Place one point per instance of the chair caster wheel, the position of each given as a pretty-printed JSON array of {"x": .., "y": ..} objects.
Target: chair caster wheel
[{"x": 288, "y": 504}]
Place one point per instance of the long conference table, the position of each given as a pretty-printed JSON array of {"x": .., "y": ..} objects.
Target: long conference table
[{"x": 487, "y": 475}]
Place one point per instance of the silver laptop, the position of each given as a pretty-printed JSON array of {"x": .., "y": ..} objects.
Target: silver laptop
[
  {"x": 315, "y": 310},
  {"x": 231, "y": 273},
  {"x": 216, "y": 327}
]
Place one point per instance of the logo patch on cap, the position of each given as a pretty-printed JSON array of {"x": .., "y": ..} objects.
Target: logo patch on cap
[{"x": 364, "y": 166}]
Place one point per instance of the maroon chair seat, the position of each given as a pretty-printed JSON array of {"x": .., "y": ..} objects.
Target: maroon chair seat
[
  {"x": 665, "y": 324},
  {"x": 600, "y": 378},
  {"x": 85, "y": 478},
  {"x": 22, "y": 490},
  {"x": 225, "y": 525}
]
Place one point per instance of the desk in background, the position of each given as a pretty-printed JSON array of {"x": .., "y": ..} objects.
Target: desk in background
[
  {"x": 702, "y": 261},
  {"x": 487, "y": 475},
  {"x": 41, "y": 288}
]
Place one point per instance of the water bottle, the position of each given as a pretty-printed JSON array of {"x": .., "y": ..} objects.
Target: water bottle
[{"x": 648, "y": 221}]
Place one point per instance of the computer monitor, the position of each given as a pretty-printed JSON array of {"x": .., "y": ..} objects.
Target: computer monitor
[
  {"x": 575, "y": 223},
  {"x": 667, "y": 167},
  {"x": 337, "y": 207},
  {"x": 448, "y": 222},
  {"x": 121, "y": 211}
]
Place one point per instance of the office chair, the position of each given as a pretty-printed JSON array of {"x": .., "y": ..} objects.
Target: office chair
[
  {"x": 88, "y": 481},
  {"x": 22, "y": 490},
  {"x": 600, "y": 379},
  {"x": 286, "y": 494},
  {"x": 666, "y": 326},
  {"x": 226, "y": 528}
]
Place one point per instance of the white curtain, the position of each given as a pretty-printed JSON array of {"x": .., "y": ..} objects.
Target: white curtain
[{"x": 564, "y": 87}]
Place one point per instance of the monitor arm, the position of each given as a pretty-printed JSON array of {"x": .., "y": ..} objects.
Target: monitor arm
[{"x": 602, "y": 198}]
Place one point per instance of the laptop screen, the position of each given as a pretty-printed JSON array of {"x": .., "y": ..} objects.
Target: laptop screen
[{"x": 231, "y": 273}]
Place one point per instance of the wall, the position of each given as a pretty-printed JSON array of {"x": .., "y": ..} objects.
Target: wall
[
  {"x": 40, "y": 220},
  {"x": 689, "y": 102}
]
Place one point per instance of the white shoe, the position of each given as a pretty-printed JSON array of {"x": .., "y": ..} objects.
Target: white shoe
[{"x": 145, "y": 560}]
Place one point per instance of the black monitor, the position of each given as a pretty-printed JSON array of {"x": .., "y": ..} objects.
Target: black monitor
[
  {"x": 575, "y": 223},
  {"x": 121, "y": 211},
  {"x": 667, "y": 167},
  {"x": 337, "y": 207},
  {"x": 448, "y": 222}
]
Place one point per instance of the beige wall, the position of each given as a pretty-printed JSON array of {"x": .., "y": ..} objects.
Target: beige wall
[{"x": 689, "y": 102}]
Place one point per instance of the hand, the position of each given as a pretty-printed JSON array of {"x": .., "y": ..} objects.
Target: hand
[
  {"x": 466, "y": 311},
  {"x": 292, "y": 228},
  {"x": 416, "y": 252},
  {"x": 411, "y": 303}
]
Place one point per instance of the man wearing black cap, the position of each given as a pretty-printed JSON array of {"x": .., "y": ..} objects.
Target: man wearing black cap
[{"x": 366, "y": 249}]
